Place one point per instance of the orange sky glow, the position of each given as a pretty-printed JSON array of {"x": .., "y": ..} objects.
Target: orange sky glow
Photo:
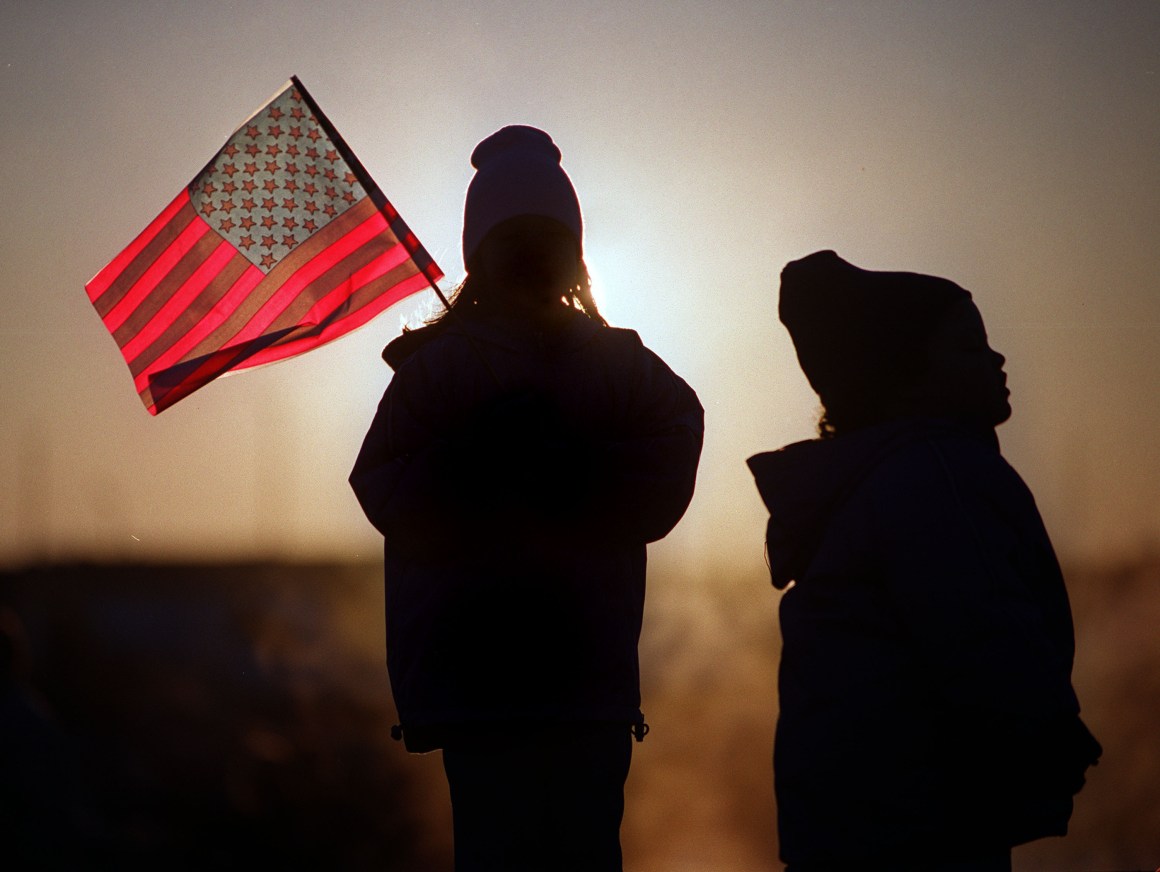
[{"x": 1010, "y": 147}]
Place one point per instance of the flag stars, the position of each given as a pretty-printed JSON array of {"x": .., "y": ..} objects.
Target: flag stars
[{"x": 289, "y": 181}]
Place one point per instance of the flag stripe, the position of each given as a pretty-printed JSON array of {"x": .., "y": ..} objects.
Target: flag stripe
[
  {"x": 191, "y": 262},
  {"x": 371, "y": 301},
  {"x": 381, "y": 265},
  {"x": 103, "y": 280},
  {"x": 221, "y": 254},
  {"x": 192, "y": 318},
  {"x": 257, "y": 311},
  {"x": 218, "y": 315},
  {"x": 339, "y": 277},
  {"x": 237, "y": 306},
  {"x": 145, "y": 259},
  {"x": 252, "y": 350},
  {"x": 157, "y": 271},
  {"x": 163, "y": 389},
  {"x": 306, "y": 275}
]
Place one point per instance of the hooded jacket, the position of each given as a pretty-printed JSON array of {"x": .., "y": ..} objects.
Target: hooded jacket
[
  {"x": 925, "y": 677},
  {"x": 517, "y": 471}
]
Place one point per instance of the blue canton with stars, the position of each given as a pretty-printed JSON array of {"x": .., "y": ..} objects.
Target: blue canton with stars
[{"x": 277, "y": 182}]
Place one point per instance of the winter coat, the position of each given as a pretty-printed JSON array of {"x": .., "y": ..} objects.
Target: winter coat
[
  {"x": 516, "y": 472},
  {"x": 925, "y": 677}
]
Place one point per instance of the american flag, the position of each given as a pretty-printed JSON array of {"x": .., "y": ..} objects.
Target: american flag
[{"x": 281, "y": 244}]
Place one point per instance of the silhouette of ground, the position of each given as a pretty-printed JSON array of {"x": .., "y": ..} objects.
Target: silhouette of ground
[
  {"x": 238, "y": 716},
  {"x": 221, "y": 717}
]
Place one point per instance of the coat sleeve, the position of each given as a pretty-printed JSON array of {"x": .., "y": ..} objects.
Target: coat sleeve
[
  {"x": 395, "y": 471},
  {"x": 649, "y": 470}
]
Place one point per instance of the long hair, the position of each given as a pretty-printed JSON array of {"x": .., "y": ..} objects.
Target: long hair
[
  {"x": 471, "y": 295},
  {"x": 472, "y": 292}
]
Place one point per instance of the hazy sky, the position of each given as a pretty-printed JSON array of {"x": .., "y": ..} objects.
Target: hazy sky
[{"x": 1011, "y": 146}]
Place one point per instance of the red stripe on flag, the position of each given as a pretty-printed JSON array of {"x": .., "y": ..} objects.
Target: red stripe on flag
[
  {"x": 380, "y": 266},
  {"x": 340, "y": 327},
  {"x": 105, "y": 278},
  {"x": 187, "y": 320},
  {"x": 213, "y": 319},
  {"x": 209, "y": 270},
  {"x": 289, "y": 291},
  {"x": 160, "y": 268}
]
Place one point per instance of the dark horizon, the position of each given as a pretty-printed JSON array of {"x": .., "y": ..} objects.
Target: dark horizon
[{"x": 251, "y": 701}]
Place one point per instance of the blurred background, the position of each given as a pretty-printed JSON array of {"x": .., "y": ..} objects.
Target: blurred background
[{"x": 191, "y": 605}]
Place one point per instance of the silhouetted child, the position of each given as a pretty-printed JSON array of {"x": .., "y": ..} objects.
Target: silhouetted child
[
  {"x": 521, "y": 458},
  {"x": 927, "y": 718}
]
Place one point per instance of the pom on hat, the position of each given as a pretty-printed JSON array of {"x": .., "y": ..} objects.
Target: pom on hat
[
  {"x": 518, "y": 172},
  {"x": 854, "y": 329}
]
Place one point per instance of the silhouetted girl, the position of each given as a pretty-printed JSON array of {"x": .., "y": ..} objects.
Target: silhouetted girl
[
  {"x": 521, "y": 458},
  {"x": 927, "y": 718}
]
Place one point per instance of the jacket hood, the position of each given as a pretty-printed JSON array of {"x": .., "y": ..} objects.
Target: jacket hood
[{"x": 805, "y": 483}]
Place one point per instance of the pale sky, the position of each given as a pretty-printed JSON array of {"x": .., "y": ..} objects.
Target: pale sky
[{"x": 1010, "y": 146}]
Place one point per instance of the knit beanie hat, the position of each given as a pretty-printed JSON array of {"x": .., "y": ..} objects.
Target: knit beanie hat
[
  {"x": 857, "y": 330},
  {"x": 518, "y": 172}
]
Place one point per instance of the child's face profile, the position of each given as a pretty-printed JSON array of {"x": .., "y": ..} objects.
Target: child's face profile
[{"x": 965, "y": 379}]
